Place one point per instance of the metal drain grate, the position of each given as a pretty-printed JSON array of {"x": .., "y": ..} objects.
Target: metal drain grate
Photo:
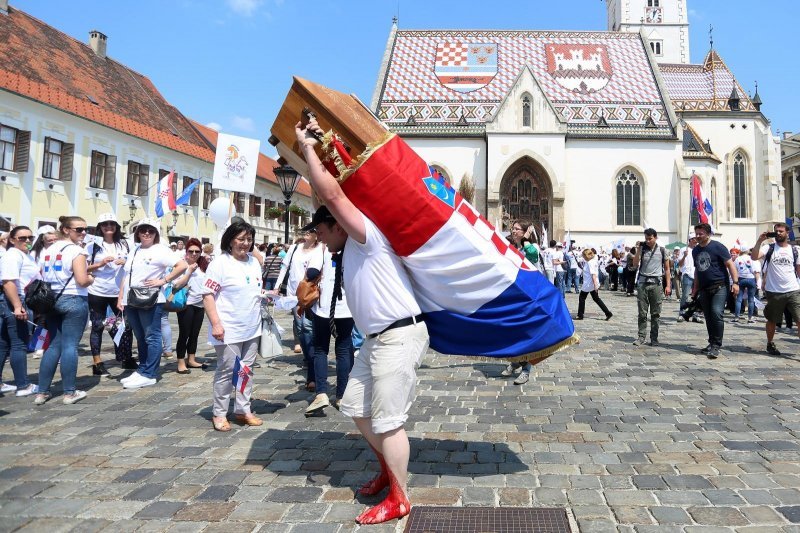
[{"x": 487, "y": 520}]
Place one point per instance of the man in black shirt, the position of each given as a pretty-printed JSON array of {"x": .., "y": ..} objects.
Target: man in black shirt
[{"x": 711, "y": 260}]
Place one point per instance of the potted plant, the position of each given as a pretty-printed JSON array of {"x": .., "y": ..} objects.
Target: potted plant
[
  {"x": 297, "y": 210},
  {"x": 274, "y": 212}
]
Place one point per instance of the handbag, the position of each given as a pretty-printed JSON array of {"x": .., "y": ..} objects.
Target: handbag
[
  {"x": 140, "y": 297},
  {"x": 176, "y": 299},
  {"x": 270, "y": 336},
  {"x": 40, "y": 298}
]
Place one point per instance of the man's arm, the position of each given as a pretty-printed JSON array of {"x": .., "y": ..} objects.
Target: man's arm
[
  {"x": 327, "y": 188},
  {"x": 755, "y": 251},
  {"x": 734, "y": 276},
  {"x": 637, "y": 256},
  {"x": 668, "y": 273}
]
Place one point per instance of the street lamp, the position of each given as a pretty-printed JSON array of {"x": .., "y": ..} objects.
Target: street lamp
[
  {"x": 288, "y": 178},
  {"x": 131, "y": 213}
]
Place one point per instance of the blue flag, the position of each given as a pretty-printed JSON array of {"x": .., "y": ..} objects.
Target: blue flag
[{"x": 186, "y": 195}]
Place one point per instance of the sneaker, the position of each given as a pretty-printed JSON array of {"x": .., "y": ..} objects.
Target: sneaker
[
  {"x": 734, "y": 320},
  {"x": 639, "y": 341},
  {"x": 508, "y": 371},
  {"x": 99, "y": 369},
  {"x": 167, "y": 355},
  {"x": 522, "y": 378},
  {"x": 654, "y": 342},
  {"x": 27, "y": 391},
  {"x": 137, "y": 381},
  {"x": 320, "y": 402},
  {"x": 75, "y": 397},
  {"x": 771, "y": 349},
  {"x": 41, "y": 399},
  {"x": 751, "y": 321},
  {"x": 713, "y": 352},
  {"x": 697, "y": 320},
  {"x": 681, "y": 319},
  {"x": 7, "y": 387},
  {"x": 38, "y": 354}
]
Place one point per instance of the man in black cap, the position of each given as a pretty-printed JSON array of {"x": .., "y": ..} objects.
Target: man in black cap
[{"x": 383, "y": 379}]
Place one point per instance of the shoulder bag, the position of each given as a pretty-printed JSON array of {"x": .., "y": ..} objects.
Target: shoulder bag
[
  {"x": 175, "y": 299},
  {"x": 282, "y": 289},
  {"x": 140, "y": 297},
  {"x": 40, "y": 298}
]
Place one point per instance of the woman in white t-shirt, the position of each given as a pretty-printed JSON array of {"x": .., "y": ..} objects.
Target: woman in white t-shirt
[
  {"x": 146, "y": 273},
  {"x": 591, "y": 284},
  {"x": 106, "y": 259},
  {"x": 64, "y": 267},
  {"x": 190, "y": 320},
  {"x": 749, "y": 274},
  {"x": 232, "y": 298},
  {"x": 17, "y": 270}
]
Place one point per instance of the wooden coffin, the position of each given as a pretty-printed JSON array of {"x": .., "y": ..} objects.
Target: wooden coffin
[{"x": 345, "y": 114}]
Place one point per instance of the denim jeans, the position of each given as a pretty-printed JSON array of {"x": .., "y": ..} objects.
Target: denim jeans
[
  {"x": 686, "y": 289},
  {"x": 343, "y": 348},
  {"x": 146, "y": 326},
  {"x": 713, "y": 303},
  {"x": 303, "y": 330},
  {"x": 14, "y": 337},
  {"x": 65, "y": 324},
  {"x": 572, "y": 280},
  {"x": 746, "y": 285},
  {"x": 561, "y": 282},
  {"x": 166, "y": 334}
]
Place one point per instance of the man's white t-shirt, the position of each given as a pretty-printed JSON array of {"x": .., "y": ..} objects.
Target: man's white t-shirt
[
  {"x": 236, "y": 286},
  {"x": 780, "y": 274},
  {"x": 106, "y": 278},
  {"x": 379, "y": 290},
  {"x": 688, "y": 264},
  {"x": 590, "y": 268},
  {"x": 20, "y": 267},
  {"x": 746, "y": 266},
  {"x": 323, "y": 306},
  {"x": 147, "y": 263},
  {"x": 573, "y": 260},
  {"x": 302, "y": 259},
  {"x": 547, "y": 258},
  {"x": 57, "y": 268}
]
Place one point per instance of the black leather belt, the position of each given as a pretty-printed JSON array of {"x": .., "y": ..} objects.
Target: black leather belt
[{"x": 403, "y": 322}]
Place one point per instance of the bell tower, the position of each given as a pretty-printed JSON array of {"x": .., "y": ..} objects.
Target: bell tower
[{"x": 665, "y": 23}]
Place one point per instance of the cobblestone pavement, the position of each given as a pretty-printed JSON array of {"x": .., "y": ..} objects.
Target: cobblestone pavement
[{"x": 626, "y": 438}]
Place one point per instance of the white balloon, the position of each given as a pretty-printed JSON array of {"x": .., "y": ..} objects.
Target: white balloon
[{"x": 218, "y": 211}]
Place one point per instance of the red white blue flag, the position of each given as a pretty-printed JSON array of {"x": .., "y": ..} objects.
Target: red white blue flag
[
  {"x": 165, "y": 196},
  {"x": 241, "y": 375},
  {"x": 699, "y": 201},
  {"x": 40, "y": 339}
]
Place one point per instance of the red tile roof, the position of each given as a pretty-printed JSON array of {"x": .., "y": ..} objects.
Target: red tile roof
[
  {"x": 43, "y": 64},
  {"x": 265, "y": 164}
]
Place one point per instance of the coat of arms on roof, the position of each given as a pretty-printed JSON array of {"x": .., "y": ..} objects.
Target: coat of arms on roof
[
  {"x": 580, "y": 68},
  {"x": 465, "y": 67}
]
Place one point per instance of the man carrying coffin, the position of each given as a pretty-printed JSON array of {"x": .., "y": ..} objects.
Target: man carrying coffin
[{"x": 383, "y": 379}]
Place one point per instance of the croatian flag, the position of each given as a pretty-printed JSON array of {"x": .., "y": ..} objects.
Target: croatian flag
[
  {"x": 480, "y": 296},
  {"x": 241, "y": 375},
  {"x": 699, "y": 201},
  {"x": 40, "y": 339},
  {"x": 165, "y": 198}
]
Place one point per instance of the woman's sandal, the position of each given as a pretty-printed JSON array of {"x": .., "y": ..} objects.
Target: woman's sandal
[{"x": 220, "y": 423}]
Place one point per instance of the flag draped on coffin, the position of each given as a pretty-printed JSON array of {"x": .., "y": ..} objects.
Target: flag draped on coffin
[{"x": 479, "y": 295}]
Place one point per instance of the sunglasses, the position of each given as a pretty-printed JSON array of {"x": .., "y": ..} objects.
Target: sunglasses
[
  {"x": 146, "y": 231},
  {"x": 193, "y": 251},
  {"x": 112, "y": 224},
  {"x": 26, "y": 238},
  {"x": 81, "y": 229}
]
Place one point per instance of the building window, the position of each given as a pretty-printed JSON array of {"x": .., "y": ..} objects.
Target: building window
[
  {"x": 103, "y": 173},
  {"x": 58, "y": 157},
  {"x": 526, "y": 111},
  {"x": 15, "y": 148},
  {"x": 194, "y": 200},
  {"x": 629, "y": 210},
  {"x": 653, "y": 3},
  {"x": 255, "y": 206},
  {"x": 238, "y": 202},
  {"x": 208, "y": 195},
  {"x": 739, "y": 186},
  {"x": 656, "y": 47},
  {"x": 138, "y": 176}
]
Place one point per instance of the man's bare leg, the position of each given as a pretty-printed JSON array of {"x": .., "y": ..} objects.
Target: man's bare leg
[{"x": 395, "y": 449}]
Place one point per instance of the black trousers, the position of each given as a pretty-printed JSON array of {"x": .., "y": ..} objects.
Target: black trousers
[
  {"x": 190, "y": 320},
  {"x": 597, "y": 300},
  {"x": 98, "y": 307}
]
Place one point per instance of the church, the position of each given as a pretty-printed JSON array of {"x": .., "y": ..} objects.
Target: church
[{"x": 596, "y": 134}]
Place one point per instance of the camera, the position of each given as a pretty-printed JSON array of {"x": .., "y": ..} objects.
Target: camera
[
  {"x": 771, "y": 235},
  {"x": 689, "y": 309}
]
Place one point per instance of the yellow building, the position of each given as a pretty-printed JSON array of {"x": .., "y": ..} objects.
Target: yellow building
[{"x": 83, "y": 134}]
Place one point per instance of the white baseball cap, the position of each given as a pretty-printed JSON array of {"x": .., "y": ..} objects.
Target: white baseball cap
[{"x": 107, "y": 217}]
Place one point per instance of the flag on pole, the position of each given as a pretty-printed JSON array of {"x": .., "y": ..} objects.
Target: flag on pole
[
  {"x": 241, "y": 375},
  {"x": 545, "y": 243},
  {"x": 165, "y": 197},
  {"x": 40, "y": 339},
  {"x": 699, "y": 201},
  {"x": 186, "y": 195},
  {"x": 568, "y": 241}
]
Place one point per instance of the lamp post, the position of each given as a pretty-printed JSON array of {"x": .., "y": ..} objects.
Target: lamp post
[
  {"x": 131, "y": 213},
  {"x": 288, "y": 178}
]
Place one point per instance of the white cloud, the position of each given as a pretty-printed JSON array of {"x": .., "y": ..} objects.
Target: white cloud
[
  {"x": 243, "y": 123},
  {"x": 214, "y": 126},
  {"x": 244, "y": 7}
]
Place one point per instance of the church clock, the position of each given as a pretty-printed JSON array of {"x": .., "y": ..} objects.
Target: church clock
[{"x": 654, "y": 15}]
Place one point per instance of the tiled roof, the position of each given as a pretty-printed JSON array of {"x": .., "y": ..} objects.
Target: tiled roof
[
  {"x": 694, "y": 147},
  {"x": 41, "y": 63},
  {"x": 265, "y": 164},
  {"x": 438, "y": 76},
  {"x": 705, "y": 87}
]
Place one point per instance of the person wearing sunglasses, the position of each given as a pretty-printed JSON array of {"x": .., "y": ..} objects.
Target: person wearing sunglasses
[
  {"x": 106, "y": 259},
  {"x": 190, "y": 320},
  {"x": 65, "y": 268},
  {"x": 18, "y": 269},
  {"x": 146, "y": 268}
]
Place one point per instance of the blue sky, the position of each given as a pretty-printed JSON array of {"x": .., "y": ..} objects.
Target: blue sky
[{"x": 230, "y": 62}]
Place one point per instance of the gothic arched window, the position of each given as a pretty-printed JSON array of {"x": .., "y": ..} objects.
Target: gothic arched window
[
  {"x": 739, "y": 186},
  {"x": 526, "y": 111},
  {"x": 629, "y": 207}
]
